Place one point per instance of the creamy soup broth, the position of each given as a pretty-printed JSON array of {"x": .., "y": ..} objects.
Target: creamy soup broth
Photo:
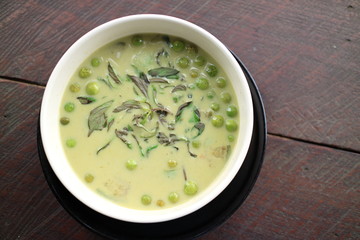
[{"x": 148, "y": 121}]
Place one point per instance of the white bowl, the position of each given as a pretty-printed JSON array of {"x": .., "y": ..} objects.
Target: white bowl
[{"x": 100, "y": 36}]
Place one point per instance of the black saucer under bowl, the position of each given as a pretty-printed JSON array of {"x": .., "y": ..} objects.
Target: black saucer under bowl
[{"x": 189, "y": 226}]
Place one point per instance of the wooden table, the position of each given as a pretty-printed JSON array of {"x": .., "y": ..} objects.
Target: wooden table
[{"x": 305, "y": 58}]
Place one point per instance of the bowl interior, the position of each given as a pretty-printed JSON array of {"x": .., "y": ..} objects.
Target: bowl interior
[{"x": 103, "y": 35}]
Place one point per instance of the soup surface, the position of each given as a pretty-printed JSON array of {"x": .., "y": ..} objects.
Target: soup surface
[{"x": 148, "y": 121}]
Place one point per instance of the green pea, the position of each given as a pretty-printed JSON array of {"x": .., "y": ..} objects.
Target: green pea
[
  {"x": 196, "y": 143},
  {"x": 178, "y": 46},
  {"x": 217, "y": 121},
  {"x": 231, "y": 125},
  {"x": 200, "y": 61},
  {"x": 92, "y": 88},
  {"x": 85, "y": 72},
  {"x": 64, "y": 120},
  {"x": 183, "y": 62},
  {"x": 95, "y": 62},
  {"x": 211, "y": 70},
  {"x": 71, "y": 142},
  {"x": 194, "y": 73},
  {"x": 215, "y": 107},
  {"x": 172, "y": 163},
  {"x": 231, "y": 111},
  {"x": 146, "y": 199},
  {"x": 89, "y": 178},
  {"x": 69, "y": 107},
  {"x": 221, "y": 82},
  {"x": 137, "y": 41},
  {"x": 211, "y": 94},
  {"x": 225, "y": 97},
  {"x": 231, "y": 138},
  {"x": 131, "y": 164},
  {"x": 190, "y": 188},
  {"x": 75, "y": 87},
  {"x": 202, "y": 83},
  {"x": 173, "y": 197}
]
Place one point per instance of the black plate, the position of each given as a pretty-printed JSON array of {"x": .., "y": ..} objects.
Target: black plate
[{"x": 187, "y": 227}]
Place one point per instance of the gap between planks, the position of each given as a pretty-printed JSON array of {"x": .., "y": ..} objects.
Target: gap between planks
[{"x": 269, "y": 133}]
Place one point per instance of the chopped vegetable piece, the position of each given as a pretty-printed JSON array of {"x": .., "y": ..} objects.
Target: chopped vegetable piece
[
  {"x": 231, "y": 125},
  {"x": 172, "y": 163},
  {"x": 190, "y": 188},
  {"x": 160, "y": 203},
  {"x": 200, "y": 61},
  {"x": 85, "y": 72},
  {"x": 202, "y": 83},
  {"x": 211, "y": 70},
  {"x": 131, "y": 164},
  {"x": 92, "y": 88},
  {"x": 71, "y": 142},
  {"x": 178, "y": 46},
  {"x": 231, "y": 111},
  {"x": 95, "y": 62},
  {"x": 173, "y": 197},
  {"x": 215, "y": 107},
  {"x": 75, "y": 87},
  {"x": 217, "y": 121},
  {"x": 137, "y": 41},
  {"x": 69, "y": 107},
  {"x": 221, "y": 82},
  {"x": 89, "y": 178},
  {"x": 64, "y": 120},
  {"x": 225, "y": 97},
  {"x": 146, "y": 199}
]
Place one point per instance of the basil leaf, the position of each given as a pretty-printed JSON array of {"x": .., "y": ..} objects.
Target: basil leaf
[
  {"x": 162, "y": 72},
  {"x": 86, "y": 100},
  {"x": 180, "y": 110},
  {"x": 112, "y": 74},
  {"x": 128, "y": 105},
  {"x": 179, "y": 87},
  {"x": 141, "y": 84},
  {"x": 97, "y": 117}
]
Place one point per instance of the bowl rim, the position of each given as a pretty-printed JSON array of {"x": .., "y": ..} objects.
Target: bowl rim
[{"x": 62, "y": 168}]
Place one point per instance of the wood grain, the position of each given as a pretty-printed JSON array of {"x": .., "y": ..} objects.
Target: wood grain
[
  {"x": 304, "y": 191},
  {"x": 304, "y": 55}
]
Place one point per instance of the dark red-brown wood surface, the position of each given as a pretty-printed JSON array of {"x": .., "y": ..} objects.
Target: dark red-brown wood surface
[{"x": 305, "y": 58}]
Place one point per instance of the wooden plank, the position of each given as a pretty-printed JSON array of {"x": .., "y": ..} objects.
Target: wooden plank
[
  {"x": 304, "y": 55},
  {"x": 304, "y": 191}
]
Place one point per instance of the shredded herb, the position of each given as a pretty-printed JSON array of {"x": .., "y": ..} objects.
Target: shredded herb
[
  {"x": 158, "y": 80},
  {"x": 112, "y": 74},
  {"x": 179, "y": 87},
  {"x": 106, "y": 81},
  {"x": 102, "y": 148},
  {"x": 121, "y": 134},
  {"x": 127, "y": 106},
  {"x": 150, "y": 149},
  {"x": 111, "y": 122},
  {"x": 86, "y": 100},
  {"x": 180, "y": 110},
  {"x": 200, "y": 128},
  {"x": 188, "y": 148},
  {"x": 137, "y": 142}
]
